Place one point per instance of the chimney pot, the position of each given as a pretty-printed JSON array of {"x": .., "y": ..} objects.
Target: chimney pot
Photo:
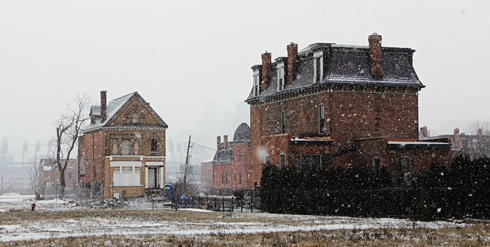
[{"x": 103, "y": 105}]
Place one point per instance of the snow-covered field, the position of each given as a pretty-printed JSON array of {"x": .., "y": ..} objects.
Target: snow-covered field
[{"x": 58, "y": 219}]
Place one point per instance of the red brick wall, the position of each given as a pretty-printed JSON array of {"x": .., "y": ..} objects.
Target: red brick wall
[
  {"x": 350, "y": 113},
  {"x": 92, "y": 147},
  {"x": 242, "y": 167}
]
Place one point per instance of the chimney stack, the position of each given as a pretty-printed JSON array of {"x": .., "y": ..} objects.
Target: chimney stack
[
  {"x": 292, "y": 54},
  {"x": 375, "y": 55},
  {"x": 218, "y": 147},
  {"x": 423, "y": 130},
  {"x": 266, "y": 69},
  {"x": 456, "y": 139},
  {"x": 465, "y": 147},
  {"x": 225, "y": 142},
  {"x": 103, "y": 105}
]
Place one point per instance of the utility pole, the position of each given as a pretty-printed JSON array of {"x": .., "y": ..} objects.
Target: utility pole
[{"x": 186, "y": 163}]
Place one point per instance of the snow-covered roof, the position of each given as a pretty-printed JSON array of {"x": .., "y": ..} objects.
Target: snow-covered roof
[
  {"x": 418, "y": 144},
  {"x": 95, "y": 110},
  {"x": 347, "y": 65},
  {"x": 113, "y": 107}
]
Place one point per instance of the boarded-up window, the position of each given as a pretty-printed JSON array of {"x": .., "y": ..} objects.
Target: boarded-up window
[
  {"x": 82, "y": 165},
  {"x": 114, "y": 147},
  {"x": 136, "y": 147},
  {"x": 126, "y": 147}
]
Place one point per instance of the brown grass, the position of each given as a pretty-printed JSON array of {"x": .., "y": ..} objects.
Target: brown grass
[{"x": 470, "y": 235}]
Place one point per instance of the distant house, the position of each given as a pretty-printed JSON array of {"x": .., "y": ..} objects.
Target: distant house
[
  {"x": 342, "y": 105},
  {"x": 49, "y": 177},
  {"x": 122, "y": 151},
  {"x": 473, "y": 146},
  {"x": 230, "y": 168}
]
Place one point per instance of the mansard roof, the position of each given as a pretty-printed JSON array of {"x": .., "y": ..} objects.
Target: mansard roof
[
  {"x": 115, "y": 106},
  {"x": 242, "y": 132},
  {"x": 345, "y": 65}
]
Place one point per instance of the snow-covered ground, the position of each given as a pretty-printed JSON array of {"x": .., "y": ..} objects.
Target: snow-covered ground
[{"x": 91, "y": 222}]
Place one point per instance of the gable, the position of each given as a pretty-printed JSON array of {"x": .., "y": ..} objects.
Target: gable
[{"x": 135, "y": 112}]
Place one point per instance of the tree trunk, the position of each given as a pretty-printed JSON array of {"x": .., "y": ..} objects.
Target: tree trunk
[{"x": 61, "y": 189}]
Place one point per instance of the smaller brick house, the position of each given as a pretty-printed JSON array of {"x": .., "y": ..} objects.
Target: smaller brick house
[
  {"x": 49, "y": 177},
  {"x": 230, "y": 168},
  {"x": 122, "y": 151}
]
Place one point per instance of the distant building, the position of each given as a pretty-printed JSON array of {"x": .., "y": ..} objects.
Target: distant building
[
  {"x": 49, "y": 177},
  {"x": 122, "y": 151},
  {"x": 340, "y": 105},
  {"x": 230, "y": 168},
  {"x": 473, "y": 146}
]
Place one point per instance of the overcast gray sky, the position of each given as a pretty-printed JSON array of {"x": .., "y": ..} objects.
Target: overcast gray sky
[{"x": 191, "y": 59}]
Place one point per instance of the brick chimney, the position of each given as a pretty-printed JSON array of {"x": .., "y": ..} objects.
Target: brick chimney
[
  {"x": 465, "y": 147},
  {"x": 292, "y": 54},
  {"x": 103, "y": 105},
  {"x": 218, "y": 147},
  {"x": 225, "y": 142},
  {"x": 266, "y": 70},
  {"x": 375, "y": 55},
  {"x": 423, "y": 130},
  {"x": 457, "y": 144}
]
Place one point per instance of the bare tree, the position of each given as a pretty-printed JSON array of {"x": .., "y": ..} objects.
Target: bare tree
[
  {"x": 33, "y": 177},
  {"x": 68, "y": 128},
  {"x": 478, "y": 124}
]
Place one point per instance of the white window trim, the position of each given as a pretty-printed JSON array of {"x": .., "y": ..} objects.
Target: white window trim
[
  {"x": 317, "y": 55},
  {"x": 256, "y": 83},
  {"x": 280, "y": 75},
  {"x": 135, "y": 181}
]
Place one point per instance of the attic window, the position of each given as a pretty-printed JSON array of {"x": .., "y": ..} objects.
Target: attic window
[
  {"x": 318, "y": 66},
  {"x": 280, "y": 77},
  {"x": 256, "y": 83}
]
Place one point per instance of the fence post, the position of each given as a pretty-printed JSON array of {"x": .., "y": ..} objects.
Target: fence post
[{"x": 252, "y": 202}]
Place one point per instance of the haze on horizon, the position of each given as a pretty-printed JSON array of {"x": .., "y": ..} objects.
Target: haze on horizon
[{"x": 191, "y": 60}]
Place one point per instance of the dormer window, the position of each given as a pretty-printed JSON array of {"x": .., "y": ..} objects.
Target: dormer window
[
  {"x": 318, "y": 66},
  {"x": 280, "y": 77},
  {"x": 256, "y": 82}
]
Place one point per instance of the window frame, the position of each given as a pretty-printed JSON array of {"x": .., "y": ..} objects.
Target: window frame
[
  {"x": 406, "y": 169},
  {"x": 283, "y": 122},
  {"x": 282, "y": 160},
  {"x": 280, "y": 77},
  {"x": 317, "y": 66},
  {"x": 321, "y": 118}
]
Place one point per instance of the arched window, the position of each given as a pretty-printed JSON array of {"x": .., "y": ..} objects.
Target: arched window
[{"x": 154, "y": 145}]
